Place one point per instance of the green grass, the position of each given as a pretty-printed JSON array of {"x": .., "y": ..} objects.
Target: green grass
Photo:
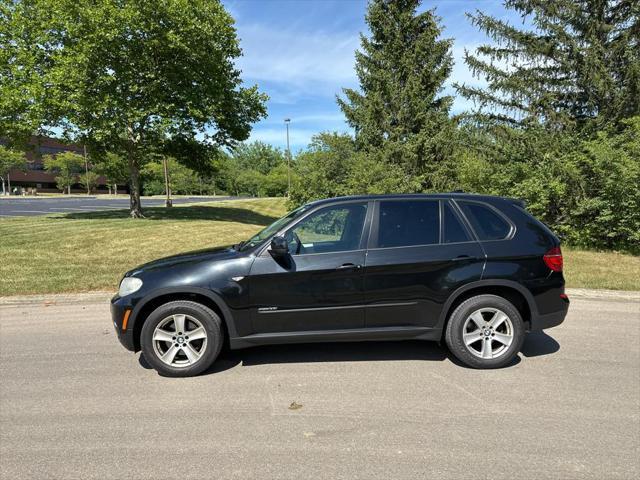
[
  {"x": 90, "y": 251},
  {"x": 610, "y": 270},
  {"x": 79, "y": 252}
]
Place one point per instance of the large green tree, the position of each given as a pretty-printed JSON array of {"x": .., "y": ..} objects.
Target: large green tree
[
  {"x": 133, "y": 77},
  {"x": 573, "y": 63},
  {"x": 398, "y": 111}
]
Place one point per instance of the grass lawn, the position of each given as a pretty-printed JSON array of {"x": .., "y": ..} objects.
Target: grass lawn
[{"x": 91, "y": 250}]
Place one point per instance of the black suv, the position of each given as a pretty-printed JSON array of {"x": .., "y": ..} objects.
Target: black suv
[{"x": 476, "y": 271}]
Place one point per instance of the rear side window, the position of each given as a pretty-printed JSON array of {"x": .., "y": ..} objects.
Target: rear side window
[
  {"x": 407, "y": 223},
  {"x": 487, "y": 224},
  {"x": 453, "y": 230}
]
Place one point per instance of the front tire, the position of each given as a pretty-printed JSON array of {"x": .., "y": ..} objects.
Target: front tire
[
  {"x": 181, "y": 338},
  {"x": 485, "y": 331}
]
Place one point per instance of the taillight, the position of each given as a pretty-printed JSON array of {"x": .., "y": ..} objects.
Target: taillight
[{"x": 553, "y": 259}]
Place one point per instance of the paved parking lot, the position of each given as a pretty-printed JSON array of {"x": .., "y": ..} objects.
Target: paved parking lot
[
  {"x": 27, "y": 207},
  {"x": 74, "y": 404}
]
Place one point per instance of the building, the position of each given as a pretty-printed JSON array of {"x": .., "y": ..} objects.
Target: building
[{"x": 37, "y": 177}]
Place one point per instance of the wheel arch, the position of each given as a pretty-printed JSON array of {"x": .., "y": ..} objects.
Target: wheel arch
[
  {"x": 200, "y": 295},
  {"x": 515, "y": 293}
]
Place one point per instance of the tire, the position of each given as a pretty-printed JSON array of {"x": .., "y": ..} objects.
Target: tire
[
  {"x": 479, "y": 336},
  {"x": 170, "y": 350}
]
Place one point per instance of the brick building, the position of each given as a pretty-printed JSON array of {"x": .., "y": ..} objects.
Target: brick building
[{"x": 37, "y": 177}]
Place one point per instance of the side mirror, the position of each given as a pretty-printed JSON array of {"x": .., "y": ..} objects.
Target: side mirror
[{"x": 279, "y": 247}]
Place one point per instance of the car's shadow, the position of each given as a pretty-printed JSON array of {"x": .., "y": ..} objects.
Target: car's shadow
[{"x": 535, "y": 344}]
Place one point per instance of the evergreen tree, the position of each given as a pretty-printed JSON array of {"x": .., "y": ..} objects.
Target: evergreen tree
[
  {"x": 398, "y": 112},
  {"x": 575, "y": 61}
]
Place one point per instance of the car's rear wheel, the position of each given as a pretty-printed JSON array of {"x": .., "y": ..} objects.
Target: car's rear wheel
[
  {"x": 181, "y": 338},
  {"x": 485, "y": 331}
]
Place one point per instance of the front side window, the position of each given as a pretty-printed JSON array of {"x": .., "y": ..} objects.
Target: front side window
[
  {"x": 332, "y": 229},
  {"x": 273, "y": 228},
  {"x": 407, "y": 223},
  {"x": 487, "y": 224}
]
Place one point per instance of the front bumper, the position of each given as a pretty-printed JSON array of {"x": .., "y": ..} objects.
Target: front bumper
[{"x": 119, "y": 308}]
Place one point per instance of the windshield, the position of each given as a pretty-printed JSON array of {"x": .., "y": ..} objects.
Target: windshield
[{"x": 271, "y": 229}]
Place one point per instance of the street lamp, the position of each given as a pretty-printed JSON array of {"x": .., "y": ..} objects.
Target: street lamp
[
  {"x": 167, "y": 189},
  {"x": 286, "y": 122}
]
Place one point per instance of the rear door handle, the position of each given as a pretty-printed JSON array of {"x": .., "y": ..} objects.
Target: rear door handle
[{"x": 349, "y": 266}]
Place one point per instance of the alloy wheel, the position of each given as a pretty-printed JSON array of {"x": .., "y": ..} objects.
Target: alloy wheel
[
  {"x": 179, "y": 340},
  {"x": 488, "y": 333}
]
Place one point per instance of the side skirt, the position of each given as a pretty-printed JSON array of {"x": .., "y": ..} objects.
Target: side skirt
[{"x": 346, "y": 335}]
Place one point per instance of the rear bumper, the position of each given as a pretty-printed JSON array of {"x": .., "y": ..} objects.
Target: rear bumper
[{"x": 549, "y": 320}]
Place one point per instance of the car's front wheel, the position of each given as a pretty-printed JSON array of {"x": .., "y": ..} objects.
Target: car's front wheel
[
  {"x": 485, "y": 331},
  {"x": 181, "y": 338}
]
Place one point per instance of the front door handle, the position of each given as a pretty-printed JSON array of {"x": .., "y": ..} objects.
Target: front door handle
[{"x": 349, "y": 266}]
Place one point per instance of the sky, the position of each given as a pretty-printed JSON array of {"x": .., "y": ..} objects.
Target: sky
[{"x": 301, "y": 54}]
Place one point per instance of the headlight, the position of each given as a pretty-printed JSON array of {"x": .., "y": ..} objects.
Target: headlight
[{"x": 128, "y": 285}]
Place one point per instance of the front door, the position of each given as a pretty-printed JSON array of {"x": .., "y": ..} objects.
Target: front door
[{"x": 319, "y": 286}]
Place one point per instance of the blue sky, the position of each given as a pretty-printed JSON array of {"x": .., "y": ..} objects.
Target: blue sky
[{"x": 301, "y": 53}]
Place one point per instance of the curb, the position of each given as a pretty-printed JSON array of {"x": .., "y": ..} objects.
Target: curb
[
  {"x": 588, "y": 293},
  {"x": 104, "y": 297},
  {"x": 56, "y": 299}
]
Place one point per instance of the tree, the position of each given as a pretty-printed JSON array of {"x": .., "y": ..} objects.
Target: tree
[
  {"x": 402, "y": 69},
  {"x": 331, "y": 166},
  {"x": 88, "y": 181},
  {"x": 135, "y": 78},
  {"x": 257, "y": 156},
  {"x": 67, "y": 166},
  {"x": 322, "y": 170},
  {"x": 10, "y": 160},
  {"x": 182, "y": 180},
  {"x": 578, "y": 64},
  {"x": 114, "y": 168},
  {"x": 276, "y": 182}
]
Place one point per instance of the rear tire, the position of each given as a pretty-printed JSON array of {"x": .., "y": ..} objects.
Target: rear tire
[
  {"x": 485, "y": 331},
  {"x": 181, "y": 338}
]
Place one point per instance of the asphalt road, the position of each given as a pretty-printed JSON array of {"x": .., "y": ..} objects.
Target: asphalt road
[
  {"x": 75, "y": 404},
  {"x": 27, "y": 207}
]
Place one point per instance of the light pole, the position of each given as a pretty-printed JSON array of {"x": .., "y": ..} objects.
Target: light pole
[
  {"x": 167, "y": 202},
  {"x": 86, "y": 169},
  {"x": 286, "y": 122}
]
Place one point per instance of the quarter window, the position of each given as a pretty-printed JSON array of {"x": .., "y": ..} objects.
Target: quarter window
[
  {"x": 332, "y": 229},
  {"x": 407, "y": 223},
  {"x": 487, "y": 224}
]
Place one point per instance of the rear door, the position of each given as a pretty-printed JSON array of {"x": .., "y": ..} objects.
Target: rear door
[{"x": 419, "y": 252}]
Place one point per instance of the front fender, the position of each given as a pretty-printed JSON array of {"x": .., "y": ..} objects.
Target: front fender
[{"x": 154, "y": 295}]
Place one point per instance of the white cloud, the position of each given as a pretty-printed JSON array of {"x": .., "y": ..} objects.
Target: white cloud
[{"x": 319, "y": 63}]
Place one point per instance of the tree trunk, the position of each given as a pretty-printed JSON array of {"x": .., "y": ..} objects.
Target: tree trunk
[
  {"x": 115, "y": 189},
  {"x": 135, "y": 206}
]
